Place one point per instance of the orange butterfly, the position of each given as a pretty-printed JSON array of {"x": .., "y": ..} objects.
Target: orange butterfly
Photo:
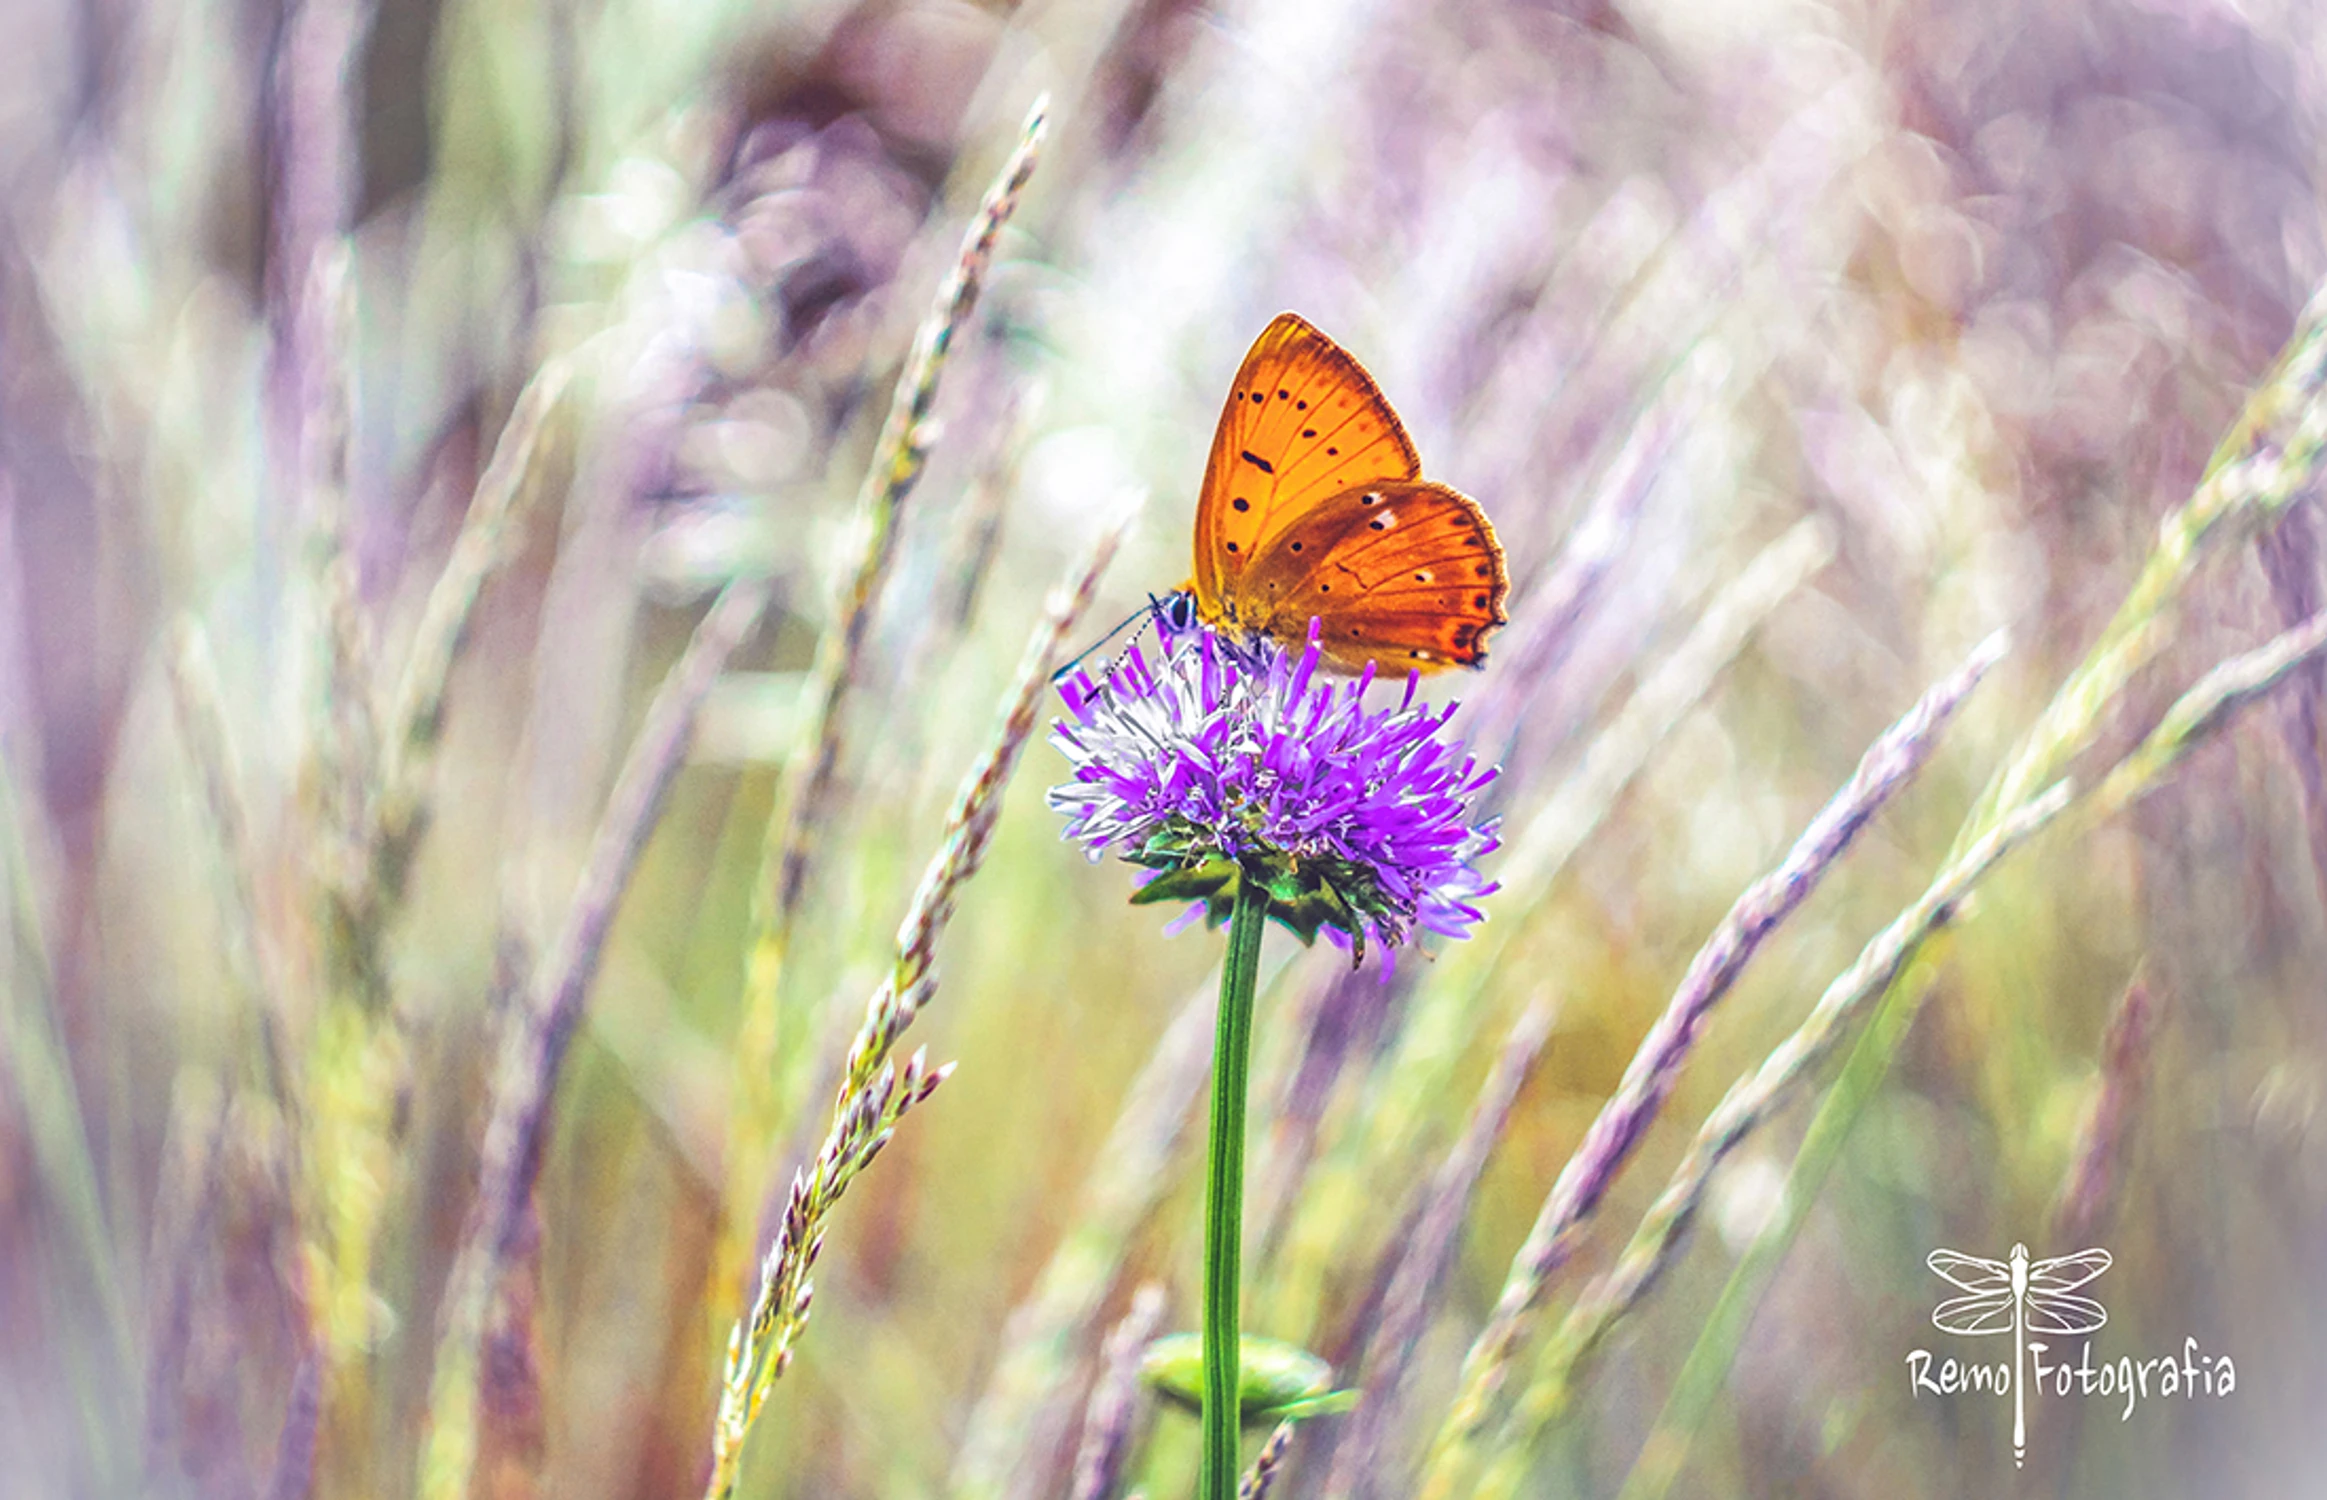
[{"x": 1314, "y": 506}]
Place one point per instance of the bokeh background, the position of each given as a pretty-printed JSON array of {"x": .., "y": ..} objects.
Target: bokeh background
[{"x": 1947, "y": 301}]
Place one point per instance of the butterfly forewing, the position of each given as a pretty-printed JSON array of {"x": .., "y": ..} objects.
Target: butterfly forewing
[
  {"x": 1303, "y": 422},
  {"x": 1402, "y": 574}
]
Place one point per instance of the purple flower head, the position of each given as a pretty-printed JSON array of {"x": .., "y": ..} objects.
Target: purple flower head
[{"x": 1229, "y": 761}]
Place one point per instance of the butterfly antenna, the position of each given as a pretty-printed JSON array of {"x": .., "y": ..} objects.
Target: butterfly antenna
[{"x": 1084, "y": 655}]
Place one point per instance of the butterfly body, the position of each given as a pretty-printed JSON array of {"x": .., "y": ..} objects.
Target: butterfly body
[{"x": 1313, "y": 507}]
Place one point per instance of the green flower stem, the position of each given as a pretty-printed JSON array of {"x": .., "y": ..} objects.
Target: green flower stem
[{"x": 1224, "y": 1190}]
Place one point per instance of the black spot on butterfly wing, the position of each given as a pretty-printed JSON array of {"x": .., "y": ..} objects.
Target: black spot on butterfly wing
[
  {"x": 1341, "y": 401},
  {"x": 1316, "y": 423},
  {"x": 1434, "y": 525},
  {"x": 1302, "y": 446},
  {"x": 1429, "y": 633},
  {"x": 1416, "y": 573}
]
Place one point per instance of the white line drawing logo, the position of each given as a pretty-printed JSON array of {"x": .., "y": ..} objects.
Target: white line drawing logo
[{"x": 2022, "y": 1297}]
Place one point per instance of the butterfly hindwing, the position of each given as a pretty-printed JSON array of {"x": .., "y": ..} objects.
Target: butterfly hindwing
[
  {"x": 1303, "y": 422},
  {"x": 1402, "y": 573}
]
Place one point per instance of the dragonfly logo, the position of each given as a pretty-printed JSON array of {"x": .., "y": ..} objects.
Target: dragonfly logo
[
  {"x": 2020, "y": 1297},
  {"x": 2023, "y": 1297}
]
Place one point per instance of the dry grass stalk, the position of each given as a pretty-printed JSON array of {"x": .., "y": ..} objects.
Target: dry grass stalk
[
  {"x": 874, "y": 1092},
  {"x": 1263, "y": 1474},
  {"x": 36, "y": 1074},
  {"x": 1411, "y": 1079},
  {"x": 2225, "y": 690},
  {"x": 1555, "y": 608},
  {"x": 1887, "y": 767},
  {"x": 201, "y": 714},
  {"x": 1550, "y": 838},
  {"x": 1114, "y": 1403},
  {"x": 1406, "y": 1304},
  {"x": 184, "y": 1212},
  {"x": 293, "y": 1474},
  {"x": 2258, "y": 471},
  {"x": 1126, "y": 1183},
  {"x": 2203, "y": 711},
  {"x": 535, "y": 1043},
  {"x": 489, "y": 529},
  {"x": 2090, "y": 1187},
  {"x": 373, "y": 785},
  {"x": 2262, "y": 467},
  {"x": 807, "y": 790},
  {"x": 373, "y": 792},
  {"x": 314, "y": 149},
  {"x": 1743, "y": 1110},
  {"x": 2269, "y": 460},
  {"x": 345, "y": 755}
]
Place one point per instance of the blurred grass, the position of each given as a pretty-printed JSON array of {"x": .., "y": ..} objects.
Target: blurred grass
[{"x": 1937, "y": 310}]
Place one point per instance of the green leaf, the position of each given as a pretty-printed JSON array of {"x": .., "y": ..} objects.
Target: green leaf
[
  {"x": 1305, "y": 897},
  {"x": 1212, "y": 882}
]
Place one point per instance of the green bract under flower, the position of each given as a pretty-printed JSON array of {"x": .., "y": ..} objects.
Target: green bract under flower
[{"x": 1224, "y": 763}]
